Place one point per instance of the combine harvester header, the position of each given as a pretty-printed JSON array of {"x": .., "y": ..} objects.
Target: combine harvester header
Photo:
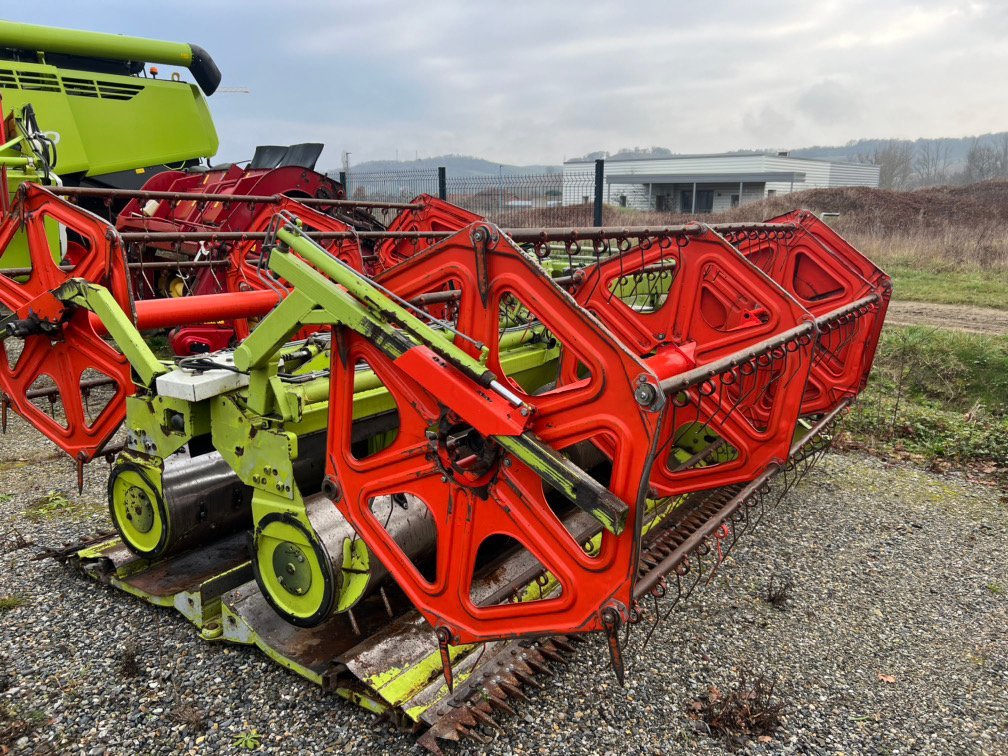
[{"x": 435, "y": 452}]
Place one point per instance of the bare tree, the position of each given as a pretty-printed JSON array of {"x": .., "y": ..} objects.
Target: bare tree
[
  {"x": 1002, "y": 156},
  {"x": 895, "y": 158},
  {"x": 981, "y": 161},
  {"x": 932, "y": 162}
]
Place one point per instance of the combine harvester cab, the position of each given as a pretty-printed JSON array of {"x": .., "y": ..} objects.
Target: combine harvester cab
[{"x": 115, "y": 127}]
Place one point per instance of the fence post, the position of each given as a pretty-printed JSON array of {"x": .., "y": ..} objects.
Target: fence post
[
  {"x": 342, "y": 180},
  {"x": 599, "y": 174},
  {"x": 442, "y": 183}
]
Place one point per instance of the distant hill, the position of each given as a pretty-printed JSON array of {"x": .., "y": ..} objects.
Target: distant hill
[
  {"x": 905, "y": 163},
  {"x": 456, "y": 165},
  {"x": 955, "y": 149}
]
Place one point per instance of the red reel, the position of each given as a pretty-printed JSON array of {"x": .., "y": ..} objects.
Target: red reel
[
  {"x": 62, "y": 359},
  {"x": 687, "y": 302},
  {"x": 476, "y": 493}
]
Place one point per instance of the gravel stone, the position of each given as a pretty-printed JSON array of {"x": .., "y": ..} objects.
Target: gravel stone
[{"x": 897, "y": 574}]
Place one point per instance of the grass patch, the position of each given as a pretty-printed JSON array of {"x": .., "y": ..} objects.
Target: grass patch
[
  {"x": 11, "y": 602},
  {"x": 996, "y": 588},
  {"x": 57, "y": 504},
  {"x": 955, "y": 287},
  {"x": 938, "y": 394},
  {"x": 15, "y": 724}
]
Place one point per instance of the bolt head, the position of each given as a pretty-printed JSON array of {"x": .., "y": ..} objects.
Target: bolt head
[{"x": 645, "y": 394}]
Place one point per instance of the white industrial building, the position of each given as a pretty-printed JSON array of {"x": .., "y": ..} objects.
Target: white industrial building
[{"x": 708, "y": 183}]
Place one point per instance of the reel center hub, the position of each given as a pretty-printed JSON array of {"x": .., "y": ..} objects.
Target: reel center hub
[{"x": 465, "y": 455}]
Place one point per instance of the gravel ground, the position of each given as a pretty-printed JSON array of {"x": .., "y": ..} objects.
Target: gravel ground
[{"x": 893, "y": 640}]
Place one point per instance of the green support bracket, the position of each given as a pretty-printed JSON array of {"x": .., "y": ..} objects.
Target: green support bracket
[
  {"x": 331, "y": 292},
  {"x": 127, "y": 338}
]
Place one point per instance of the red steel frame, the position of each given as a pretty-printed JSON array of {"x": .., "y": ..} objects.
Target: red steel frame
[{"x": 725, "y": 333}]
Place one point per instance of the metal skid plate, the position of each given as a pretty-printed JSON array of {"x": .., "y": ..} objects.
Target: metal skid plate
[{"x": 192, "y": 582}]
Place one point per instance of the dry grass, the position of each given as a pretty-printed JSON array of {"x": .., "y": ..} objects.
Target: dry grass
[
  {"x": 947, "y": 245},
  {"x": 748, "y": 710},
  {"x": 941, "y": 230}
]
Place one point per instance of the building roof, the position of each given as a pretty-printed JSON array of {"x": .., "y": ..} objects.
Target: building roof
[
  {"x": 690, "y": 156},
  {"x": 748, "y": 177}
]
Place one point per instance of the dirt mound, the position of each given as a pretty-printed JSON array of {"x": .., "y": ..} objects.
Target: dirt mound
[
  {"x": 877, "y": 211},
  {"x": 979, "y": 205}
]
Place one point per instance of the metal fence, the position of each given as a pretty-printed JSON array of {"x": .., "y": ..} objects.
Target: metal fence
[
  {"x": 508, "y": 199},
  {"x": 391, "y": 186}
]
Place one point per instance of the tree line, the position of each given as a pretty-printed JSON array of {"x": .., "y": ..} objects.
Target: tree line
[{"x": 934, "y": 162}]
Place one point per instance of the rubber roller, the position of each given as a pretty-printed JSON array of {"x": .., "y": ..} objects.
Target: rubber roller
[
  {"x": 307, "y": 576},
  {"x": 197, "y": 500}
]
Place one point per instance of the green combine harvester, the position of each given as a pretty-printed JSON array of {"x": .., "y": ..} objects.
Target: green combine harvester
[{"x": 112, "y": 122}]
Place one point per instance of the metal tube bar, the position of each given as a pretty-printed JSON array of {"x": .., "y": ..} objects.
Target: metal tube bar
[
  {"x": 677, "y": 383},
  {"x": 519, "y": 235},
  {"x": 152, "y": 314},
  {"x": 846, "y": 310},
  {"x": 254, "y": 199},
  {"x": 155, "y": 265},
  {"x": 88, "y": 383}
]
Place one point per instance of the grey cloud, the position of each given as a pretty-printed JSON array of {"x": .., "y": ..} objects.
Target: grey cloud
[
  {"x": 529, "y": 81},
  {"x": 827, "y": 101}
]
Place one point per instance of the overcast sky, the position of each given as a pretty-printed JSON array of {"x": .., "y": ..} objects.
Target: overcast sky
[{"x": 537, "y": 81}]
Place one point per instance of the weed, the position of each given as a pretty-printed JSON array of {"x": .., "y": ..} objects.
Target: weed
[
  {"x": 249, "y": 740},
  {"x": 15, "y": 725},
  {"x": 128, "y": 664},
  {"x": 778, "y": 591},
  {"x": 50, "y": 505},
  {"x": 14, "y": 540},
  {"x": 746, "y": 711},
  {"x": 11, "y": 602},
  {"x": 188, "y": 715},
  {"x": 996, "y": 588},
  {"x": 4, "y": 498}
]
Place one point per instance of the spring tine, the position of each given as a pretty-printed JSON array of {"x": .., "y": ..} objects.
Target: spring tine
[
  {"x": 443, "y": 636},
  {"x": 385, "y": 601},
  {"x": 80, "y": 474}
]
